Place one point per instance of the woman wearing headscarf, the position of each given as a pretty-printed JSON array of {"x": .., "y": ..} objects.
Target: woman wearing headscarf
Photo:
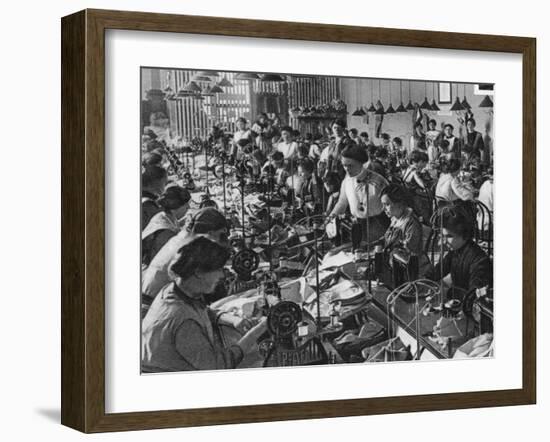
[
  {"x": 180, "y": 332},
  {"x": 174, "y": 203}
]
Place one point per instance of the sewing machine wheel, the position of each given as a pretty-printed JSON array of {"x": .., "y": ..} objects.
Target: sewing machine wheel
[
  {"x": 283, "y": 318},
  {"x": 245, "y": 262}
]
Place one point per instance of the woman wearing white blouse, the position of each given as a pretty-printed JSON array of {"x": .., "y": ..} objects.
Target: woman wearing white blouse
[
  {"x": 287, "y": 146},
  {"x": 242, "y": 133},
  {"x": 449, "y": 187},
  {"x": 360, "y": 191}
]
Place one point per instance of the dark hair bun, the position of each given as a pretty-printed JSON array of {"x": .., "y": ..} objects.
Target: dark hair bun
[
  {"x": 356, "y": 153},
  {"x": 174, "y": 197}
]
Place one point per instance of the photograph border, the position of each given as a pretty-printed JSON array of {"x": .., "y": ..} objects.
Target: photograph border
[{"x": 83, "y": 219}]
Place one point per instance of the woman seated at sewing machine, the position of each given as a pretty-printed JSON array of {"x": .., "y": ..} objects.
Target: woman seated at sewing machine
[
  {"x": 275, "y": 167},
  {"x": 174, "y": 203},
  {"x": 449, "y": 186},
  {"x": 331, "y": 183},
  {"x": 465, "y": 266},
  {"x": 153, "y": 182},
  {"x": 310, "y": 190},
  {"x": 404, "y": 236},
  {"x": 180, "y": 332},
  {"x": 418, "y": 160},
  {"x": 209, "y": 222}
]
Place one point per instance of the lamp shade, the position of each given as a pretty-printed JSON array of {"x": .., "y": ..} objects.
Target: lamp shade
[
  {"x": 247, "y": 76},
  {"x": 192, "y": 87},
  {"x": 224, "y": 82},
  {"x": 209, "y": 73},
  {"x": 216, "y": 89},
  {"x": 390, "y": 109},
  {"x": 201, "y": 78},
  {"x": 371, "y": 108},
  {"x": 434, "y": 106},
  {"x": 410, "y": 106},
  {"x": 401, "y": 108},
  {"x": 465, "y": 104},
  {"x": 362, "y": 112},
  {"x": 155, "y": 93},
  {"x": 425, "y": 105},
  {"x": 207, "y": 92},
  {"x": 457, "y": 106},
  {"x": 356, "y": 113},
  {"x": 272, "y": 77},
  {"x": 486, "y": 102}
]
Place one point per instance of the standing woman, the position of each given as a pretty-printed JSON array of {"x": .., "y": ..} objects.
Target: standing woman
[
  {"x": 418, "y": 139},
  {"x": 243, "y": 133},
  {"x": 263, "y": 130},
  {"x": 180, "y": 332},
  {"x": 331, "y": 155},
  {"x": 174, "y": 203},
  {"x": 287, "y": 145},
  {"x": 360, "y": 191}
]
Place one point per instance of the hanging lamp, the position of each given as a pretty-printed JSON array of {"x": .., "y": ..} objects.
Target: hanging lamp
[
  {"x": 486, "y": 102},
  {"x": 457, "y": 105},
  {"x": 434, "y": 106},
  {"x": 247, "y": 76},
  {"x": 362, "y": 112},
  {"x": 425, "y": 105},
  {"x": 390, "y": 109},
  {"x": 379, "y": 105},
  {"x": 191, "y": 86},
  {"x": 216, "y": 89},
  {"x": 272, "y": 77},
  {"x": 209, "y": 73},
  {"x": 410, "y": 106},
  {"x": 224, "y": 82},
  {"x": 356, "y": 113},
  {"x": 465, "y": 103},
  {"x": 201, "y": 78},
  {"x": 371, "y": 108},
  {"x": 401, "y": 108}
]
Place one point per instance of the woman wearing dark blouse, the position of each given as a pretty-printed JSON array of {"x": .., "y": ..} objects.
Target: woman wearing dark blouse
[
  {"x": 465, "y": 266},
  {"x": 404, "y": 235},
  {"x": 153, "y": 182}
]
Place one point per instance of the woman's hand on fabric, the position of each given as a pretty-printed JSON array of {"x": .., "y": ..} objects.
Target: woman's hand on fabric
[{"x": 249, "y": 341}]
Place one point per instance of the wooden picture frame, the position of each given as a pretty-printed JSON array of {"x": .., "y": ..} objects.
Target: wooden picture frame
[{"x": 83, "y": 219}]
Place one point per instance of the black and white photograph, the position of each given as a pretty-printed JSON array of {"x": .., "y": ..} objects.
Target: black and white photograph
[{"x": 292, "y": 220}]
